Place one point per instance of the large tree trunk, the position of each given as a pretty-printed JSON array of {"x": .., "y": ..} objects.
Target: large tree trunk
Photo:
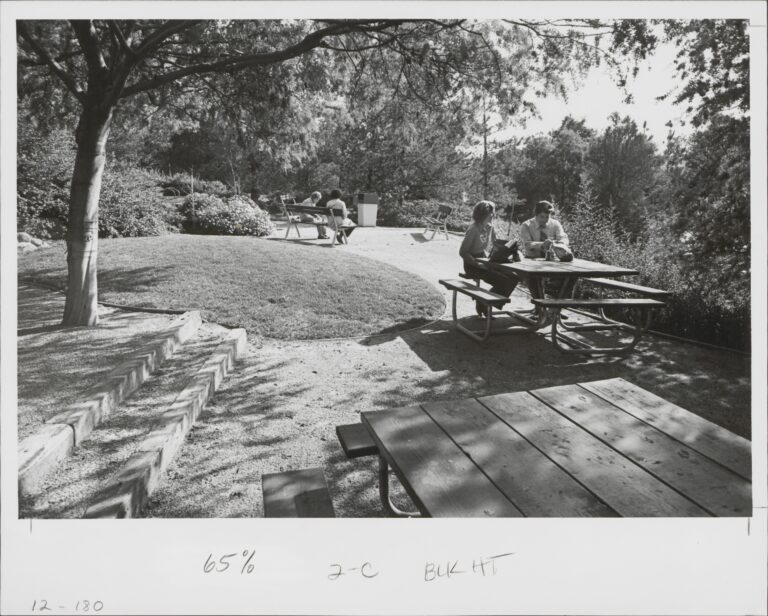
[{"x": 81, "y": 307}]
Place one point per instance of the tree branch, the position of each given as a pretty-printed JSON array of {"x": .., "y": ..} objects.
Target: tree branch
[
  {"x": 167, "y": 30},
  {"x": 114, "y": 28},
  {"x": 57, "y": 69},
  {"x": 310, "y": 41},
  {"x": 89, "y": 43}
]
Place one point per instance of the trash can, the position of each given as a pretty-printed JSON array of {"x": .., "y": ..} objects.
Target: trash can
[{"x": 367, "y": 207}]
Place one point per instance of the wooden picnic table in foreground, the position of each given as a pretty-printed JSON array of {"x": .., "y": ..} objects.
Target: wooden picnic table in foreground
[{"x": 604, "y": 448}]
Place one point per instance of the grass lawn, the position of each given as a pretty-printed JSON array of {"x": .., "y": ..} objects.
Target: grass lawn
[{"x": 273, "y": 288}]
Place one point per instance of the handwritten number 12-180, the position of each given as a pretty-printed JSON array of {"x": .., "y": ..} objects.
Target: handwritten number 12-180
[{"x": 81, "y": 606}]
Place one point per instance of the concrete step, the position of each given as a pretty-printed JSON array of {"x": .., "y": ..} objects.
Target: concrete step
[
  {"x": 126, "y": 492},
  {"x": 74, "y": 484},
  {"x": 41, "y": 451}
]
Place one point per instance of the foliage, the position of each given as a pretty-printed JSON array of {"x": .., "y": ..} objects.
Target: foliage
[
  {"x": 711, "y": 187},
  {"x": 713, "y": 64},
  {"x": 593, "y": 231},
  {"x": 131, "y": 204},
  {"x": 718, "y": 313},
  {"x": 183, "y": 184},
  {"x": 44, "y": 164},
  {"x": 189, "y": 209},
  {"x": 622, "y": 165},
  {"x": 236, "y": 217}
]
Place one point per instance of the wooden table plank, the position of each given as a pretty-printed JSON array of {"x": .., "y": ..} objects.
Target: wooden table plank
[
  {"x": 578, "y": 268},
  {"x": 438, "y": 476},
  {"x": 619, "y": 482},
  {"x": 537, "y": 486},
  {"x": 729, "y": 449},
  {"x": 707, "y": 483}
]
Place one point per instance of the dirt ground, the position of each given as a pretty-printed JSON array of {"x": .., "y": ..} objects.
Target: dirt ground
[{"x": 278, "y": 409}]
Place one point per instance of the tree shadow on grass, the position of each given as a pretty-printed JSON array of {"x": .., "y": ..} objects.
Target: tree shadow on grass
[
  {"x": 58, "y": 365},
  {"x": 317, "y": 243}
]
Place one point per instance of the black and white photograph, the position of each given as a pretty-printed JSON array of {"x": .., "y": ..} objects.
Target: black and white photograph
[{"x": 359, "y": 266}]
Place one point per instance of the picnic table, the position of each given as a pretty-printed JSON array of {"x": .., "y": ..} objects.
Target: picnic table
[
  {"x": 604, "y": 448},
  {"x": 548, "y": 311},
  {"x": 535, "y": 271}
]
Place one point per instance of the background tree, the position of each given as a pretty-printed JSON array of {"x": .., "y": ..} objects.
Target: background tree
[
  {"x": 710, "y": 171},
  {"x": 102, "y": 63},
  {"x": 623, "y": 164}
]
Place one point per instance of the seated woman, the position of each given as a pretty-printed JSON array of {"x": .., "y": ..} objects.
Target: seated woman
[
  {"x": 478, "y": 242},
  {"x": 340, "y": 214},
  {"x": 315, "y": 219}
]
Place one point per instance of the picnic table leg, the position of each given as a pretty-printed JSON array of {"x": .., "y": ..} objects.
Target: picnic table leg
[
  {"x": 642, "y": 323},
  {"x": 389, "y": 506},
  {"x": 536, "y": 318},
  {"x": 474, "y": 335}
]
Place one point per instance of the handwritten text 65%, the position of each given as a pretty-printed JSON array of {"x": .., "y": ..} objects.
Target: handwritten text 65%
[{"x": 222, "y": 564}]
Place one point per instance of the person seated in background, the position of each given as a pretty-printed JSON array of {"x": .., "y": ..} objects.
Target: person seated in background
[
  {"x": 341, "y": 215},
  {"x": 478, "y": 242},
  {"x": 315, "y": 219},
  {"x": 542, "y": 232}
]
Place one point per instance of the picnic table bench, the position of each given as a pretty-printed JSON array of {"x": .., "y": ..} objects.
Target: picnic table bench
[
  {"x": 294, "y": 211},
  {"x": 605, "y": 448},
  {"x": 486, "y": 298},
  {"x": 548, "y": 311},
  {"x": 296, "y": 494}
]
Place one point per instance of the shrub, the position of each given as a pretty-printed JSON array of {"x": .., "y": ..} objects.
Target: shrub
[
  {"x": 702, "y": 306},
  {"x": 131, "y": 206},
  {"x": 44, "y": 167},
  {"x": 241, "y": 199},
  {"x": 234, "y": 218},
  {"x": 194, "y": 204}
]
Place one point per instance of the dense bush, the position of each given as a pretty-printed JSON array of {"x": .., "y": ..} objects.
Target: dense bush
[
  {"x": 44, "y": 166},
  {"x": 238, "y": 215},
  {"x": 131, "y": 204},
  {"x": 698, "y": 309},
  {"x": 193, "y": 204},
  {"x": 234, "y": 218},
  {"x": 181, "y": 184}
]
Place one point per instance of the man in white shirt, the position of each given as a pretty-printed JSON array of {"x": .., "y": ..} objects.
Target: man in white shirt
[{"x": 543, "y": 232}]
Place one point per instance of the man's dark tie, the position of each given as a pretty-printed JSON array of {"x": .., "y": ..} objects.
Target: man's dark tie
[{"x": 543, "y": 234}]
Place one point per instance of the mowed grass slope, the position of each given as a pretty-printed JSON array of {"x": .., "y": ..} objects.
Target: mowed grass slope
[{"x": 277, "y": 289}]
